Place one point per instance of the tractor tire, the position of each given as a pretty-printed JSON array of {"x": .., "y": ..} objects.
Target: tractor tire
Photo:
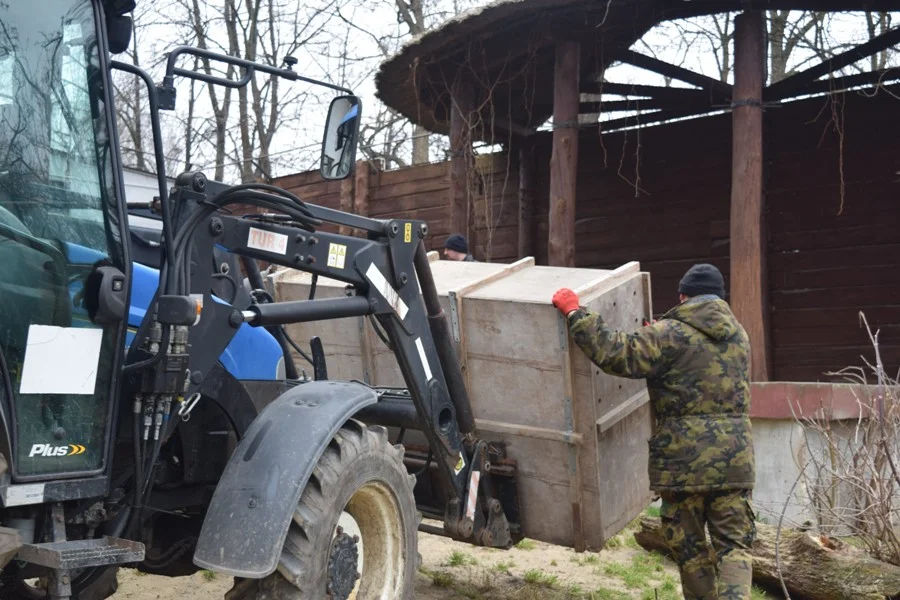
[{"x": 354, "y": 533}]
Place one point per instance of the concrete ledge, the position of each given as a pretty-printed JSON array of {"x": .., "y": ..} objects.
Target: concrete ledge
[{"x": 833, "y": 401}]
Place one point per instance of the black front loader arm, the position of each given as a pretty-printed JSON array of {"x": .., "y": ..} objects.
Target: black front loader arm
[{"x": 383, "y": 274}]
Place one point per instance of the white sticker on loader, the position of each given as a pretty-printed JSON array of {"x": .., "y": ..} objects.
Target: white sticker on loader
[
  {"x": 61, "y": 360},
  {"x": 337, "y": 256},
  {"x": 381, "y": 284},
  {"x": 22, "y": 495},
  {"x": 472, "y": 499},
  {"x": 267, "y": 241},
  {"x": 428, "y": 374}
]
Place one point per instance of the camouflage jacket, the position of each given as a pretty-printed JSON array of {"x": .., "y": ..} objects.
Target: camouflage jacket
[{"x": 696, "y": 360}]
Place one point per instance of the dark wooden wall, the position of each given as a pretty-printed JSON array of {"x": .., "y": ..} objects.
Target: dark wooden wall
[
  {"x": 830, "y": 259},
  {"x": 423, "y": 192},
  {"x": 826, "y": 261}
]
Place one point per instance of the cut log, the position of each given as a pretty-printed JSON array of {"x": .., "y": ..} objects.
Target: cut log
[{"x": 813, "y": 566}]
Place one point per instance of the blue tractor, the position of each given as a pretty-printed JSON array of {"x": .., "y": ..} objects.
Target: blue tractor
[{"x": 151, "y": 413}]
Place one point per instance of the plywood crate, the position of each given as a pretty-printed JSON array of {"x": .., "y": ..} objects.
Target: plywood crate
[{"x": 578, "y": 435}]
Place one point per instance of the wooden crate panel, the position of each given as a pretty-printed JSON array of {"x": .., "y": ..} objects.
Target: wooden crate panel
[{"x": 579, "y": 437}]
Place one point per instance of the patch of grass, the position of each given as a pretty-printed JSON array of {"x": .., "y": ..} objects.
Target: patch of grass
[
  {"x": 209, "y": 575},
  {"x": 758, "y": 594},
  {"x": 441, "y": 579},
  {"x": 630, "y": 542},
  {"x": 585, "y": 559},
  {"x": 613, "y": 542},
  {"x": 553, "y": 563},
  {"x": 504, "y": 567},
  {"x": 537, "y": 577},
  {"x": 606, "y": 594},
  {"x": 668, "y": 589},
  {"x": 643, "y": 569},
  {"x": 460, "y": 559},
  {"x": 670, "y": 584},
  {"x": 652, "y": 511},
  {"x": 613, "y": 570},
  {"x": 659, "y": 594},
  {"x": 526, "y": 544}
]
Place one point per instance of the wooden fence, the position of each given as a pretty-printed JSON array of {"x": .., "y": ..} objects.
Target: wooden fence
[
  {"x": 661, "y": 196},
  {"x": 422, "y": 192}
]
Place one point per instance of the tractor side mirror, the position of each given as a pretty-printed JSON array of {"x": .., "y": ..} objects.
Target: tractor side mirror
[
  {"x": 118, "y": 33},
  {"x": 341, "y": 136}
]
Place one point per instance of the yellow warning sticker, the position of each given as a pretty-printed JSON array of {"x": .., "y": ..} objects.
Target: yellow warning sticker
[
  {"x": 407, "y": 233},
  {"x": 337, "y": 255},
  {"x": 460, "y": 465}
]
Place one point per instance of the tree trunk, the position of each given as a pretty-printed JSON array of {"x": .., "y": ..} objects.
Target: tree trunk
[
  {"x": 220, "y": 109},
  {"x": 420, "y": 145},
  {"x": 461, "y": 159},
  {"x": 777, "y": 50},
  {"x": 138, "y": 116},
  {"x": 813, "y": 566}
]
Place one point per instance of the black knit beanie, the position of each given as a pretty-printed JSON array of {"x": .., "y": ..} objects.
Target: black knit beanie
[
  {"x": 458, "y": 243},
  {"x": 701, "y": 280}
]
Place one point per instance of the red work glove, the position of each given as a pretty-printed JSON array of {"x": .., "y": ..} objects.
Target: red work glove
[{"x": 565, "y": 301}]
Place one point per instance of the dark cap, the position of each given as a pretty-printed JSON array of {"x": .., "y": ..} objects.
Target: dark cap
[
  {"x": 458, "y": 243},
  {"x": 701, "y": 280}
]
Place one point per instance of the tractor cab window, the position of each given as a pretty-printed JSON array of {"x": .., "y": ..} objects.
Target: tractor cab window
[{"x": 56, "y": 222}]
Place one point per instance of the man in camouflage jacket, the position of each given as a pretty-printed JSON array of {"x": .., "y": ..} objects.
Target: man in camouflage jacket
[{"x": 696, "y": 361}]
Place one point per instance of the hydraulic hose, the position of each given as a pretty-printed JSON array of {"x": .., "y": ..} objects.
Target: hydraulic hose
[
  {"x": 256, "y": 282},
  {"x": 443, "y": 341}
]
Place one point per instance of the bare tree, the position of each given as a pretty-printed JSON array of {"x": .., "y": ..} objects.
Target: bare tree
[
  {"x": 413, "y": 15},
  {"x": 878, "y": 23},
  {"x": 851, "y": 473}
]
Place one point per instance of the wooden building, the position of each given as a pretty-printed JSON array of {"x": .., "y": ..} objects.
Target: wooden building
[{"x": 792, "y": 192}]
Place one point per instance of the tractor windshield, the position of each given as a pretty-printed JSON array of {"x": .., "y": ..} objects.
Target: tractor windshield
[{"x": 56, "y": 223}]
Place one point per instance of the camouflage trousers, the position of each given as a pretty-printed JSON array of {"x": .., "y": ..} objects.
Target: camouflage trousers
[{"x": 720, "y": 569}]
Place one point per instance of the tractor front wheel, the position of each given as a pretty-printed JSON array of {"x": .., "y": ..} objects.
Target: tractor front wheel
[{"x": 353, "y": 535}]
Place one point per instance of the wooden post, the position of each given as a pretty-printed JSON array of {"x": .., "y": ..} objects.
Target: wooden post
[
  {"x": 460, "y": 154},
  {"x": 346, "y": 202},
  {"x": 526, "y": 198},
  {"x": 749, "y": 288},
  {"x": 564, "y": 162},
  {"x": 361, "y": 193}
]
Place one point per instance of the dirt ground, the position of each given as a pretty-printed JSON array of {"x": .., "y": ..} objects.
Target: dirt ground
[{"x": 453, "y": 571}]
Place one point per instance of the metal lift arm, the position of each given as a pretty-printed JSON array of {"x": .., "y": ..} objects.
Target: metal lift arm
[{"x": 386, "y": 276}]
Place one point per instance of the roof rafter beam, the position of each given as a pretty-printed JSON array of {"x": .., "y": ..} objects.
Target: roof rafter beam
[
  {"x": 704, "y": 7},
  {"x": 651, "y": 91},
  {"x": 721, "y": 89},
  {"x": 647, "y": 119},
  {"x": 837, "y": 84},
  {"x": 698, "y": 102},
  {"x": 791, "y": 85}
]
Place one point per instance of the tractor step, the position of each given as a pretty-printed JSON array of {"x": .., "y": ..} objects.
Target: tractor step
[{"x": 80, "y": 554}]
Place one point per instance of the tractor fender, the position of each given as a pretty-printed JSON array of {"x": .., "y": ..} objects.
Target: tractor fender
[{"x": 251, "y": 509}]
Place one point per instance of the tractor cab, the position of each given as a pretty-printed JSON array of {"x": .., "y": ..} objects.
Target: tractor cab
[
  {"x": 189, "y": 376},
  {"x": 63, "y": 282}
]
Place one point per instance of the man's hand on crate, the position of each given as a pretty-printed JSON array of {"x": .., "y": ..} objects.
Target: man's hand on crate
[{"x": 565, "y": 301}]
